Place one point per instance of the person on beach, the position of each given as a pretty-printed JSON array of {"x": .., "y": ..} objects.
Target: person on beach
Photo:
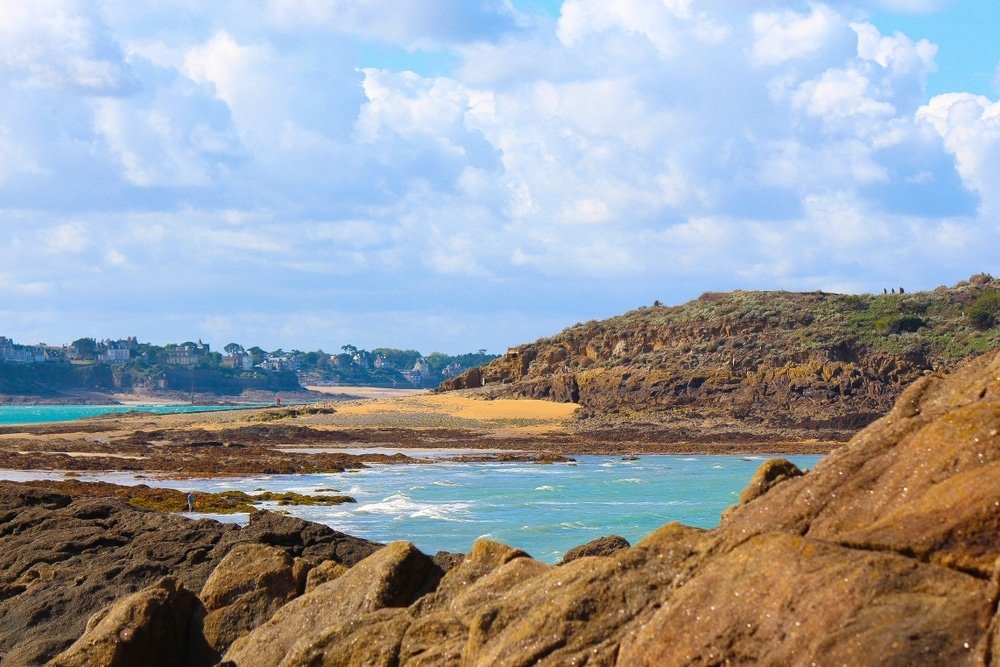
[{"x": 190, "y": 499}]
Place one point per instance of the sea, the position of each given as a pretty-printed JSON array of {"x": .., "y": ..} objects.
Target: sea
[
  {"x": 31, "y": 414},
  {"x": 542, "y": 509}
]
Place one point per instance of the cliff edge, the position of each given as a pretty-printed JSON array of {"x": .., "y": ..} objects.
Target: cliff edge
[{"x": 813, "y": 364}]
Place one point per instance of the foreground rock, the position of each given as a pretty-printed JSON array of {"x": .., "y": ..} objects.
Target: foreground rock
[
  {"x": 887, "y": 553},
  {"x": 151, "y": 627},
  {"x": 63, "y": 560}
]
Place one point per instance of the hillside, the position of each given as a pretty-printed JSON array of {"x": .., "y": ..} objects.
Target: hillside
[{"x": 814, "y": 363}]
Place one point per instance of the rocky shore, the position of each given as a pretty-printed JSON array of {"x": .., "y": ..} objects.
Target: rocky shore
[
  {"x": 887, "y": 552},
  {"x": 746, "y": 365}
]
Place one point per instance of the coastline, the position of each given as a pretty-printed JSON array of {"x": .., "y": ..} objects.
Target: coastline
[{"x": 350, "y": 432}]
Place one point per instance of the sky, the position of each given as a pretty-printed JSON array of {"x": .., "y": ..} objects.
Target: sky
[{"x": 451, "y": 175}]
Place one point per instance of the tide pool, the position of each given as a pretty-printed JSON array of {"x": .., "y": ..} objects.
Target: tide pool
[
  {"x": 542, "y": 509},
  {"x": 31, "y": 414}
]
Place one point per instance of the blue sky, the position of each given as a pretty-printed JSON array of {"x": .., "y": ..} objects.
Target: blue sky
[{"x": 453, "y": 175}]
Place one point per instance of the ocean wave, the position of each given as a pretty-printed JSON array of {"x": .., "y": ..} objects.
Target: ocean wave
[
  {"x": 632, "y": 480},
  {"x": 401, "y": 506},
  {"x": 446, "y": 482},
  {"x": 545, "y": 487}
]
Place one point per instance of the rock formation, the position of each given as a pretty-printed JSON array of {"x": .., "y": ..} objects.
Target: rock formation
[
  {"x": 63, "y": 560},
  {"x": 888, "y": 552},
  {"x": 803, "y": 365}
]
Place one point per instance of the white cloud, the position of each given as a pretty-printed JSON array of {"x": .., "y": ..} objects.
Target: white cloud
[
  {"x": 970, "y": 128},
  {"x": 60, "y": 43},
  {"x": 788, "y": 35},
  {"x": 914, "y": 6},
  {"x": 67, "y": 238},
  {"x": 576, "y": 162}
]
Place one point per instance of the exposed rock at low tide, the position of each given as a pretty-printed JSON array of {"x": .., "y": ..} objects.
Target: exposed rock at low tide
[
  {"x": 888, "y": 552},
  {"x": 62, "y": 560},
  {"x": 602, "y": 546}
]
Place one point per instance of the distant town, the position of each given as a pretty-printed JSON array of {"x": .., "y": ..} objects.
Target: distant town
[{"x": 157, "y": 367}]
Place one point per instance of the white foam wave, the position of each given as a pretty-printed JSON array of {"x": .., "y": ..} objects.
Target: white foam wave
[
  {"x": 632, "y": 480},
  {"x": 401, "y": 506},
  {"x": 545, "y": 487}
]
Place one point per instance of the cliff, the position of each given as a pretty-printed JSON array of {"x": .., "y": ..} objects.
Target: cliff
[
  {"x": 886, "y": 553},
  {"x": 819, "y": 364}
]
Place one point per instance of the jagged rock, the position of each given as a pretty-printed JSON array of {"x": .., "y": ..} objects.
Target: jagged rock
[
  {"x": 578, "y": 612},
  {"x": 920, "y": 481},
  {"x": 766, "y": 365},
  {"x": 484, "y": 557},
  {"x": 372, "y": 640},
  {"x": 392, "y": 577},
  {"x": 447, "y": 560},
  {"x": 771, "y": 472},
  {"x": 245, "y": 589},
  {"x": 326, "y": 571},
  {"x": 440, "y": 630},
  {"x": 602, "y": 546},
  {"x": 62, "y": 560},
  {"x": 779, "y": 599},
  {"x": 311, "y": 540},
  {"x": 151, "y": 627}
]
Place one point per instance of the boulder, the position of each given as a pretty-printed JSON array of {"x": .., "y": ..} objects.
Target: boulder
[
  {"x": 781, "y": 599},
  {"x": 602, "y": 546},
  {"x": 578, "y": 612},
  {"x": 151, "y": 627},
  {"x": 394, "y": 576},
  {"x": 245, "y": 589},
  {"x": 305, "y": 538},
  {"x": 326, "y": 571},
  {"x": 371, "y": 639},
  {"x": 62, "y": 560},
  {"x": 771, "y": 472},
  {"x": 921, "y": 481}
]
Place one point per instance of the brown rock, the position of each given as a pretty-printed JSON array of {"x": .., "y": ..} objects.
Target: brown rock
[
  {"x": 771, "y": 472},
  {"x": 440, "y": 631},
  {"x": 920, "y": 481},
  {"x": 62, "y": 560},
  {"x": 322, "y": 573},
  {"x": 245, "y": 589},
  {"x": 484, "y": 557},
  {"x": 602, "y": 546},
  {"x": 371, "y": 640},
  {"x": 392, "y": 577},
  {"x": 578, "y": 612},
  {"x": 305, "y": 538},
  {"x": 779, "y": 599},
  {"x": 151, "y": 627}
]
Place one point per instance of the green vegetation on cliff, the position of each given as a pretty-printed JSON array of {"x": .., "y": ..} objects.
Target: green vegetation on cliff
[{"x": 816, "y": 362}]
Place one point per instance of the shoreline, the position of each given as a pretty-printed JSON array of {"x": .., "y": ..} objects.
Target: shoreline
[{"x": 348, "y": 433}]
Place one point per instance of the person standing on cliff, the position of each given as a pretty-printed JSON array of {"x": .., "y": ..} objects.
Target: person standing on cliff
[{"x": 190, "y": 499}]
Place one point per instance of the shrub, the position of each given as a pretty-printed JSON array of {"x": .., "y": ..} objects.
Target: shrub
[
  {"x": 899, "y": 324},
  {"x": 984, "y": 312}
]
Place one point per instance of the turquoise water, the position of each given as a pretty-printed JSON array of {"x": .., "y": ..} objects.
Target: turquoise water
[
  {"x": 543, "y": 509},
  {"x": 31, "y": 414}
]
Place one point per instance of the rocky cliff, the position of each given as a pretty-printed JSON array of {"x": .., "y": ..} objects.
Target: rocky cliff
[
  {"x": 819, "y": 364},
  {"x": 888, "y": 552}
]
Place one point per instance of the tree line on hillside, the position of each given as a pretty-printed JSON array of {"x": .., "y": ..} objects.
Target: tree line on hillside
[{"x": 127, "y": 362}]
